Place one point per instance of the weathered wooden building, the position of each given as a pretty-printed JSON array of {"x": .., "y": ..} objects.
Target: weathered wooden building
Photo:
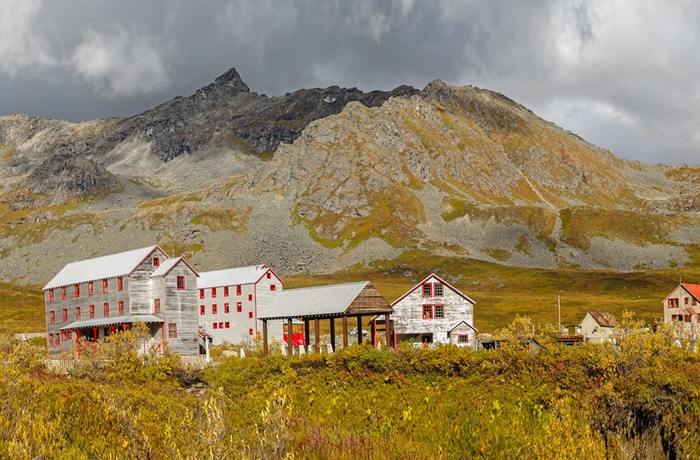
[
  {"x": 91, "y": 299},
  {"x": 229, "y": 301},
  {"x": 682, "y": 307},
  {"x": 433, "y": 311},
  {"x": 598, "y": 327}
]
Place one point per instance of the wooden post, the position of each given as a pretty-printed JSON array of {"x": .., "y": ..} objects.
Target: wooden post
[
  {"x": 387, "y": 319},
  {"x": 333, "y": 334},
  {"x": 345, "y": 331},
  {"x": 317, "y": 333},
  {"x": 374, "y": 332},
  {"x": 290, "y": 343},
  {"x": 359, "y": 330},
  {"x": 265, "y": 350},
  {"x": 307, "y": 334}
]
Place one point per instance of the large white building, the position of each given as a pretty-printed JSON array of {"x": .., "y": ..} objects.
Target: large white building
[
  {"x": 433, "y": 311},
  {"x": 229, "y": 301}
]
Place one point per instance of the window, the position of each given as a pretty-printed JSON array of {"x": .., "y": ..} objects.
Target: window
[
  {"x": 65, "y": 315},
  {"x": 156, "y": 305},
  {"x": 180, "y": 283},
  {"x": 216, "y": 325},
  {"x": 172, "y": 330},
  {"x": 238, "y": 290},
  {"x": 221, "y": 324},
  {"x": 105, "y": 286},
  {"x": 672, "y": 303},
  {"x": 439, "y": 311},
  {"x": 273, "y": 287},
  {"x": 463, "y": 339},
  {"x": 50, "y": 295},
  {"x": 437, "y": 287},
  {"x": 225, "y": 291},
  {"x": 269, "y": 275},
  {"x": 239, "y": 307},
  {"x": 250, "y": 332},
  {"x": 120, "y": 283},
  {"x": 427, "y": 312},
  {"x": 250, "y": 314},
  {"x": 213, "y": 309},
  {"x": 227, "y": 308},
  {"x": 106, "y": 309},
  {"x": 76, "y": 291},
  {"x": 427, "y": 290},
  {"x": 120, "y": 306},
  {"x": 156, "y": 261},
  {"x": 213, "y": 293},
  {"x": 57, "y": 337},
  {"x": 91, "y": 288},
  {"x": 52, "y": 317},
  {"x": 201, "y": 294},
  {"x": 92, "y": 311},
  {"x": 77, "y": 313},
  {"x": 51, "y": 340},
  {"x": 63, "y": 293},
  {"x": 686, "y": 318},
  {"x": 686, "y": 301},
  {"x": 227, "y": 325},
  {"x": 202, "y": 310},
  {"x": 250, "y": 297}
]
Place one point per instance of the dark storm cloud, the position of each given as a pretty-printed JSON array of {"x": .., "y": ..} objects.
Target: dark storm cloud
[{"x": 621, "y": 74}]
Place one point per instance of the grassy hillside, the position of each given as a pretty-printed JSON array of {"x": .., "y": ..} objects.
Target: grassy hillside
[{"x": 21, "y": 309}]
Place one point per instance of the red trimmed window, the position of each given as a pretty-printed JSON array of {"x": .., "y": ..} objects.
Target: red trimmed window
[
  {"x": 65, "y": 315},
  {"x": 238, "y": 290},
  {"x": 686, "y": 301},
  {"x": 427, "y": 312},
  {"x": 433, "y": 311},
  {"x": 427, "y": 290},
  {"x": 63, "y": 293},
  {"x": 57, "y": 337},
  {"x": 227, "y": 308},
  {"x": 92, "y": 311},
  {"x": 239, "y": 307},
  {"x": 269, "y": 275},
  {"x": 213, "y": 309},
  {"x": 227, "y": 325},
  {"x": 120, "y": 306},
  {"x": 250, "y": 332},
  {"x": 225, "y": 291},
  {"x": 216, "y": 325},
  {"x": 77, "y": 313},
  {"x": 172, "y": 330},
  {"x": 50, "y": 295},
  {"x": 672, "y": 303},
  {"x": 52, "y": 317},
  {"x": 437, "y": 290},
  {"x": 106, "y": 309},
  {"x": 91, "y": 288},
  {"x": 202, "y": 310},
  {"x": 51, "y": 340},
  {"x": 250, "y": 297},
  {"x": 463, "y": 339},
  {"x": 180, "y": 283},
  {"x": 273, "y": 287},
  {"x": 76, "y": 291},
  {"x": 120, "y": 283},
  {"x": 221, "y": 324},
  {"x": 250, "y": 314},
  {"x": 213, "y": 293},
  {"x": 156, "y": 261},
  {"x": 439, "y": 311},
  {"x": 156, "y": 305},
  {"x": 201, "y": 294},
  {"x": 105, "y": 286}
]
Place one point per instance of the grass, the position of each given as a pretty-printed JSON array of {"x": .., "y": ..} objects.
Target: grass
[{"x": 21, "y": 309}]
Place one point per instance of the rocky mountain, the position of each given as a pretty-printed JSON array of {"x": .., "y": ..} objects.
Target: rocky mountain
[{"x": 324, "y": 179}]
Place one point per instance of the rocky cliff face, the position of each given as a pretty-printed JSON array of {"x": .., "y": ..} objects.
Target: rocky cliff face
[{"x": 322, "y": 179}]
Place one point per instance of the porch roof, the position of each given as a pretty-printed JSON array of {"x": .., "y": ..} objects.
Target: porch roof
[{"x": 100, "y": 322}]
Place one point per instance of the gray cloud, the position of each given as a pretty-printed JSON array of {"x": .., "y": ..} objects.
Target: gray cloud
[{"x": 621, "y": 74}]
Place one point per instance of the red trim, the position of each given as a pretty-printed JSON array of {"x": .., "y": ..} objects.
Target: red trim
[{"x": 420, "y": 285}]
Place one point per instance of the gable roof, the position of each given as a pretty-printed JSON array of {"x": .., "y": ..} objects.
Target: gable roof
[
  {"x": 445, "y": 283},
  {"x": 333, "y": 300},
  {"x": 693, "y": 289},
  {"x": 230, "y": 276},
  {"x": 110, "y": 266},
  {"x": 169, "y": 264},
  {"x": 462, "y": 322},
  {"x": 604, "y": 319}
]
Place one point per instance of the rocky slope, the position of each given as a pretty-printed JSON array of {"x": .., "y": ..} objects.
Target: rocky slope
[{"x": 325, "y": 179}]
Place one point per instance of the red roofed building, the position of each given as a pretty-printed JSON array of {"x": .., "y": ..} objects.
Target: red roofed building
[{"x": 683, "y": 306}]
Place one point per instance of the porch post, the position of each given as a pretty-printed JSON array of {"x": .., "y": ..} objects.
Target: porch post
[
  {"x": 387, "y": 319},
  {"x": 265, "y": 337},
  {"x": 94, "y": 333},
  {"x": 333, "y": 334},
  {"x": 317, "y": 333},
  {"x": 307, "y": 334},
  {"x": 374, "y": 332},
  {"x": 290, "y": 343},
  {"x": 345, "y": 331},
  {"x": 359, "y": 330}
]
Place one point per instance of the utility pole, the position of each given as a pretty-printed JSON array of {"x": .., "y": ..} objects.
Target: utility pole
[{"x": 559, "y": 311}]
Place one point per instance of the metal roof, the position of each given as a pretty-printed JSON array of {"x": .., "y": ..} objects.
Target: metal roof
[
  {"x": 603, "y": 318},
  {"x": 231, "y": 276},
  {"x": 314, "y": 301},
  {"x": 119, "y": 264},
  {"x": 166, "y": 266},
  {"x": 112, "y": 320}
]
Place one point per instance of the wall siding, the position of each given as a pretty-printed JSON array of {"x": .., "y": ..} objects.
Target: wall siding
[{"x": 181, "y": 308}]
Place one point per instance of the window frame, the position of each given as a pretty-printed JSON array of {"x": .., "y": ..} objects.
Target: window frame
[
  {"x": 77, "y": 313},
  {"x": 273, "y": 287},
  {"x": 441, "y": 288},
  {"x": 462, "y": 336},
  {"x": 91, "y": 310},
  {"x": 673, "y": 303},
  {"x": 201, "y": 294},
  {"x": 120, "y": 283},
  {"x": 63, "y": 293},
  {"x": 105, "y": 309},
  {"x": 227, "y": 308},
  {"x": 172, "y": 330},
  {"x": 214, "y": 309},
  {"x": 64, "y": 315},
  {"x": 76, "y": 290},
  {"x": 51, "y": 295},
  {"x": 156, "y": 306},
  {"x": 180, "y": 283},
  {"x": 429, "y": 292},
  {"x": 52, "y": 317},
  {"x": 225, "y": 291},
  {"x": 239, "y": 290},
  {"x": 155, "y": 261},
  {"x": 239, "y": 307},
  {"x": 120, "y": 308},
  {"x": 442, "y": 311},
  {"x": 427, "y": 310},
  {"x": 213, "y": 293},
  {"x": 202, "y": 310},
  {"x": 91, "y": 288},
  {"x": 105, "y": 286}
]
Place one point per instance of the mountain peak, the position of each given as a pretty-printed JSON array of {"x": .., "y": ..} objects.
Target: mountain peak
[{"x": 231, "y": 82}]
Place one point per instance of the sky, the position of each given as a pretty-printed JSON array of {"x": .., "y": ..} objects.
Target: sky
[{"x": 622, "y": 74}]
